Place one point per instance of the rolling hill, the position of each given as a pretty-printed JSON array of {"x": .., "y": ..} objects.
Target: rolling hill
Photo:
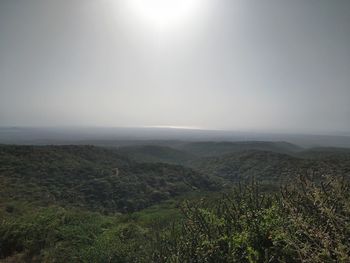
[
  {"x": 206, "y": 149},
  {"x": 91, "y": 177},
  {"x": 156, "y": 154},
  {"x": 270, "y": 167}
]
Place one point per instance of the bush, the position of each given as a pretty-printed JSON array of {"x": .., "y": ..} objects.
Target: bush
[
  {"x": 308, "y": 222},
  {"x": 318, "y": 220}
]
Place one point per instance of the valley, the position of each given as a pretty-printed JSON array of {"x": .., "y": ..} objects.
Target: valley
[{"x": 141, "y": 189}]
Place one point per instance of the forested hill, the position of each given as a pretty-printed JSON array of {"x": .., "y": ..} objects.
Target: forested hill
[
  {"x": 91, "y": 177},
  {"x": 204, "y": 149},
  {"x": 156, "y": 153},
  {"x": 131, "y": 204},
  {"x": 273, "y": 168},
  {"x": 185, "y": 152},
  {"x": 132, "y": 178},
  {"x": 271, "y": 163}
]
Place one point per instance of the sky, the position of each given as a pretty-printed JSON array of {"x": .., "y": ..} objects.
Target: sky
[{"x": 243, "y": 65}]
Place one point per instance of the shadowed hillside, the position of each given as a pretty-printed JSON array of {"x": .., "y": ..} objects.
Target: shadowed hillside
[
  {"x": 154, "y": 153},
  {"x": 204, "y": 149},
  {"x": 92, "y": 177},
  {"x": 326, "y": 153},
  {"x": 272, "y": 167}
]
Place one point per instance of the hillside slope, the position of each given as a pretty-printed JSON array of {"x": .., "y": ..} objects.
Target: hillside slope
[
  {"x": 269, "y": 167},
  {"x": 91, "y": 177},
  {"x": 206, "y": 149},
  {"x": 156, "y": 153}
]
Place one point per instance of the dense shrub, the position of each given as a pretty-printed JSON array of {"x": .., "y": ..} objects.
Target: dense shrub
[
  {"x": 308, "y": 222},
  {"x": 318, "y": 220},
  {"x": 59, "y": 235}
]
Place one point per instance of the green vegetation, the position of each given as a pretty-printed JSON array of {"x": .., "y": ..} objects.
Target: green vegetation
[
  {"x": 272, "y": 167},
  {"x": 91, "y": 204},
  {"x": 156, "y": 154},
  {"x": 55, "y": 234},
  {"x": 94, "y": 178},
  {"x": 306, "y": 223},
  {"x": 206, "y": 149}
]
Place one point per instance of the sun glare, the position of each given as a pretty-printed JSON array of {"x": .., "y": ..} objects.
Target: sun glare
[{"x": 164, "y": 14}]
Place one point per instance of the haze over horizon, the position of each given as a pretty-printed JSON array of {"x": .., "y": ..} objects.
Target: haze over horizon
[{"x": 271, "y": 66}]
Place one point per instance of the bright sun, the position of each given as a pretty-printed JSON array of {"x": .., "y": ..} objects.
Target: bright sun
[{"x": 164, "y": 14}]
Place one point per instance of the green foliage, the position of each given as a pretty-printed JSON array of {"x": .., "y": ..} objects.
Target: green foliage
[
  {"x": 55, "y": 234},
  {"x": 124, "y": 243},
  {"x": 273, "y": 168},
  {"x": 309, "y": 223},
  {"x": 156, "y": 154},
  {"x": 238, "y": 227},
  {"x": 318, "y": 220},
  {"x": 211, "y": 149},
  {"x": 84, "y": 176},
  {"x": 70, "y": 204}
]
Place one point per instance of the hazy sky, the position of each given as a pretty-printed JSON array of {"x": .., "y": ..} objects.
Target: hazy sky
[{"x": 266, "y": 65}]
